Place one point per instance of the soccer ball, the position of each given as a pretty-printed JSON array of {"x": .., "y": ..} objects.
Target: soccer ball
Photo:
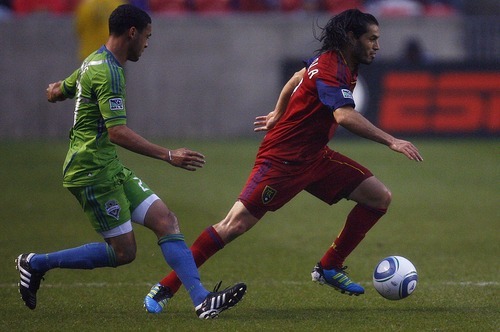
[{"x": 395, "y": 278}]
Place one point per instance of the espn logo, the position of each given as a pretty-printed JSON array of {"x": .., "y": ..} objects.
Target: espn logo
[{"x": 445, "y": 103}]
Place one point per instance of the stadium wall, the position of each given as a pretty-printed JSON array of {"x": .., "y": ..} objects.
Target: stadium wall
[{"x": 201, "y": 77}]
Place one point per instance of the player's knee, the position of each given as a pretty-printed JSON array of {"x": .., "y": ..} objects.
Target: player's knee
[
  {"x": 125, "y": 255},
  {"x": 381, "y": 199},
  {"x": 170, "y": 224},
  {"x": 381, "y": 196},
  {"x": 230, "y": 230},
  {"x": 385, "y": 199},
  {"x": 238, "y": 228},
  {"x": 164, "y": 224},
  {"x": 172, "y": 218},
  {"x": 238, "y": 221}
]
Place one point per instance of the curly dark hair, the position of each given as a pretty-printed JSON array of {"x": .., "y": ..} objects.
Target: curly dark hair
[
  {"x": 126, "y": 16},
  {"x": 334, "y": 33}
]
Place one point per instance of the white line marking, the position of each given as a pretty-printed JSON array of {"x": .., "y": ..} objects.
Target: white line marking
[{"x": 294, "y": 283}]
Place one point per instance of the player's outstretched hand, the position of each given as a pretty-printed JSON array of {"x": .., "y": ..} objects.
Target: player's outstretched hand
[
  {"x": 265, "y": 122},
  {"x": 406, "y": 148},
  {"x": 187, "y": 159},
  {"x": 54, "y": 92}
]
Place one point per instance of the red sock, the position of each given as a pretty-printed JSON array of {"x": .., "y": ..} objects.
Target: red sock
[
  {"x": 205, "y": 246},
  {"x": 359, "y": 221}
]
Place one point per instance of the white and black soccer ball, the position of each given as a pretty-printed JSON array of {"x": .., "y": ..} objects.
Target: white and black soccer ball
[{"x": 395, "y": 277}]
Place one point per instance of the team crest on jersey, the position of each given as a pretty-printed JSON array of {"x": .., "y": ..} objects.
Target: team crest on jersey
[
  {"x": 268, "y": 194},
  {"x": 116, "y": 104},
  {"x": 347, "y": 94},
  {"x": 113, "y": 209}
]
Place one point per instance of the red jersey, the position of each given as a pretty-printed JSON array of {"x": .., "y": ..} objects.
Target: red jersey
[{"x": 308, "y": 123}]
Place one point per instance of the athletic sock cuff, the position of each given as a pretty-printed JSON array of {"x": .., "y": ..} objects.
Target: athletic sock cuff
[
  {"x": 215, "y": 236},
  {"x": 171, "y": 238},
  {"x": 375, "y": 210},
  {"x": 111, "y": 256}
]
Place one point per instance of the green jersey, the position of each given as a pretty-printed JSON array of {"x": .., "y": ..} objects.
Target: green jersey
[{"x": 98, "y": 87}]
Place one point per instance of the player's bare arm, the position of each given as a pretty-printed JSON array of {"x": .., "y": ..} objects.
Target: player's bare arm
[
  {"x": 54, "y": 92},
  {"x": 356, "y": 123},
  {"x": 130, "y": 140},
  {"x": 266, "y": 122}
]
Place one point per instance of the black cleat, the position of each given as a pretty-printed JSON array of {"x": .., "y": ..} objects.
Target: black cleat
[
  {"x": 216, "y": 302},
  {"x": 29, "y": 281}
]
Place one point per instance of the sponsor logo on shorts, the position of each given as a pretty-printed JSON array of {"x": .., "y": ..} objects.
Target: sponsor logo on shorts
[
  {"x": 268, "y": 194},
  {"x": 113, "y": 209},
  {"x": 347, "y": 94},
  {"x": 116, "y": 104}
]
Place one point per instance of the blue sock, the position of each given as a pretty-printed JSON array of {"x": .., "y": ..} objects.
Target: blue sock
[
  {"x": 88, "y": 256},
  {"x": 180, "y": 258}
]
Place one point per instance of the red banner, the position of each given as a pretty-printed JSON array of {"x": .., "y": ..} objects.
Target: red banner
[{"x": 446, "y": 102}]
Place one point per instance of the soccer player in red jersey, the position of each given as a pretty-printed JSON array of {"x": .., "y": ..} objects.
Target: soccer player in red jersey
[{"x": 294, "y": 155}]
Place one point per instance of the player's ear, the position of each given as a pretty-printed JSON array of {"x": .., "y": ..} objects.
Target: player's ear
[{"x": 132, "y": 32}]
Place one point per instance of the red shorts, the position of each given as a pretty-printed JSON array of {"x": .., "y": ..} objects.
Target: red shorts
[{"x": 273, "y": 183}]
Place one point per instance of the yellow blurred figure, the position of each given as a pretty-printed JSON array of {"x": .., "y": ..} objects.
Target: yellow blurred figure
[{"x": 91, "y": 23}]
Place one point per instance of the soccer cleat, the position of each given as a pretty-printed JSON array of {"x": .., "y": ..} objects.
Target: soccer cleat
[
  {"x": 337, "y": 279},
  {"x": 157, "y": 299},
  {"x": 29, "y": 281},
  {"x": 216, "y": 302}
]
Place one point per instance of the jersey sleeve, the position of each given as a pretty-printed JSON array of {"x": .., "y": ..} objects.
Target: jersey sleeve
[
  {"x": 109, "y": 86},
  {"x": 68, "y": 86},
  {"x": 332, "y": 84},
  {"x": 334, "y": 97}
]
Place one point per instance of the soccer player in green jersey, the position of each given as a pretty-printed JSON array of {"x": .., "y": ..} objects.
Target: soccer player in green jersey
[{"x": 110, "y": 194}]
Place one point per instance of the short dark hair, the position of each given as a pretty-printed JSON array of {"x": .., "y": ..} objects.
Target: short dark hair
[
  {"x": 334, "y": 34},
  {"x": 126, "y": 16}
]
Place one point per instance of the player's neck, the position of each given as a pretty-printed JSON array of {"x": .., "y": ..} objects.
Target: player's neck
[
  {"x": 119, "y": 48},
  {"x": 349, "y": 60}
]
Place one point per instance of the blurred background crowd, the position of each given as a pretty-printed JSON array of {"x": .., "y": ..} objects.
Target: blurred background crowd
[
  {"x": 218, "y": 7},
  {"x": 215, "y": 60}
]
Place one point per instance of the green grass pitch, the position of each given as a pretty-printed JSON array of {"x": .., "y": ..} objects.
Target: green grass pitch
[{"x": 444, "y": 217}]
